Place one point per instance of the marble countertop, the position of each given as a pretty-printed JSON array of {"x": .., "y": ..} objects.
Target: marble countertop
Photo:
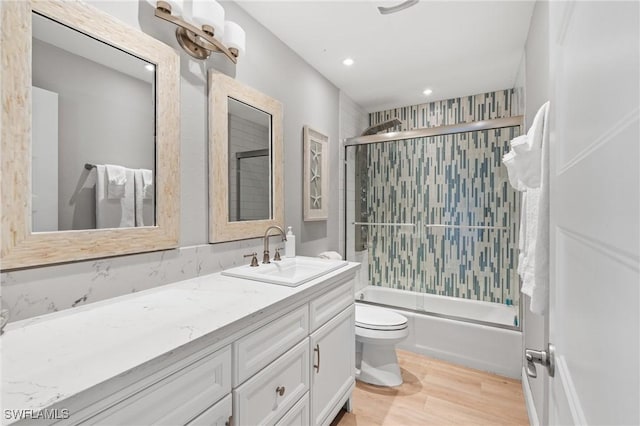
[{"x": 50, "y": 358}]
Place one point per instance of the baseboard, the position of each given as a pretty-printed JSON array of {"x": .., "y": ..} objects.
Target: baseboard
[
  {"x": 510, "y": 371},
  {"x": 528, "y": 399}
]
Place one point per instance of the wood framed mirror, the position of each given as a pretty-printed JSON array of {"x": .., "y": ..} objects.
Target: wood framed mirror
[
  {"x": 245, "y": 161},
  {"x": 70, "y": 71}
]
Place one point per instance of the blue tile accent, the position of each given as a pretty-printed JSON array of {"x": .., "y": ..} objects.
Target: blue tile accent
[{"x": 453, "y": 179}]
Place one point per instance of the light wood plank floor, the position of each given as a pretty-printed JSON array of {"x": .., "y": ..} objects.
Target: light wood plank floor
[{"x": 437, "y": 393}]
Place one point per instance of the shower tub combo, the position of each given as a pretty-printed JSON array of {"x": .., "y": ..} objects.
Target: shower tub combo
[
  {"x": 473, "y": 333},
  {"x": 431, "y": 210}
]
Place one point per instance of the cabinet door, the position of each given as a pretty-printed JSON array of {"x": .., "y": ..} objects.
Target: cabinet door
[
  {"x": 333, "y": 364},
  {"x": 218, "y": 415}
]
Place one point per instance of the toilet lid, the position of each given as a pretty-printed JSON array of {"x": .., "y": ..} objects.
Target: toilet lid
[{"x": 379, "y": 318}]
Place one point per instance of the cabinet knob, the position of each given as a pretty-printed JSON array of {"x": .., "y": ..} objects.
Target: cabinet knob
[{"x": 280, "y": 390}]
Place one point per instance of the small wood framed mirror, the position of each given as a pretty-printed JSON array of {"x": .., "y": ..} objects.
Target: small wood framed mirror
[{"x": 245, "y": 161}]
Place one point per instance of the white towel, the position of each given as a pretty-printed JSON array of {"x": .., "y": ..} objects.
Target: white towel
[
  {"x": 108, "y": 211},
  {"x": 117, "y": 179},
  {"x": 113, "y": 213},
  {"x": 528, "y": 167},
  {"x": 128, "y": 201},
  {"x": 332, "y": 255},
  {"x": 514, "y": 166},
  {"x": 147, "y": 179},
  {"x": 139, "y": 196}
]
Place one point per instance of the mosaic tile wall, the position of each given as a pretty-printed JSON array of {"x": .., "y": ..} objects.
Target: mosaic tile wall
[
  {"x": 455, "y": 180},
  {"x": 486, "y": 106}
]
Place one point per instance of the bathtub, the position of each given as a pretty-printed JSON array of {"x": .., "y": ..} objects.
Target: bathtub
[{"x": 475, "y": 334}]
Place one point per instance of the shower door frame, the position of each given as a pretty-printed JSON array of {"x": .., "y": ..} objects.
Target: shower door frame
[{"x": 496, "y": 123}]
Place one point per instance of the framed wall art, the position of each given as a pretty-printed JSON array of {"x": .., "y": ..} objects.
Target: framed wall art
[{"x": 316, "y": 175}]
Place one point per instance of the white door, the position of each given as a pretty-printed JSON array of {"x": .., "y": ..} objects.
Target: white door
[{"x": 594, "y": 310}]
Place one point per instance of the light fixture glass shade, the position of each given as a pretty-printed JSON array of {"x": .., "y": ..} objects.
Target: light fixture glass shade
[
  {"x": 234, "y": 37},
  {"x": 176, "y": 6},
  {"x": 209, "y": 12}
]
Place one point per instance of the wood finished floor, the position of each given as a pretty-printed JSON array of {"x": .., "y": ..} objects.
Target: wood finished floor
[{"x": 437, "y": 393}]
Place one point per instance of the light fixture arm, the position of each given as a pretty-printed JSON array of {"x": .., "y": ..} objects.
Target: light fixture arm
[{"x": 195, "y": 41}]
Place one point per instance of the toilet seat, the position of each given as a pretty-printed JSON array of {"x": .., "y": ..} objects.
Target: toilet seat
[{"x": 371, "y": 318}]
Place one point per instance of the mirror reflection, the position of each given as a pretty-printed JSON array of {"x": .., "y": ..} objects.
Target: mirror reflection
[
  {"x": 93, "y": 133},
  {"x": 250, "y": 183}
]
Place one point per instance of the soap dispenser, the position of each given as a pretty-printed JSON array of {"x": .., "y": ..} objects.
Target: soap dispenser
[{"x": 290, "y": 245}]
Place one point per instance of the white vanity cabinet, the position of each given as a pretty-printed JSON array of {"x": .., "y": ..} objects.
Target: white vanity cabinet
[
  {"x": 332, "y": 375},
  {"x": 321, "y": 362},
  {"x": 218, "y": 415},
  {"x": 289, "y": 363},
  {"x": 333, "y": 352},
  {"x": 176, "y": 399}
]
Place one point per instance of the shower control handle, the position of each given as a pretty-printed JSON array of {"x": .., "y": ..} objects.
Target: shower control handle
[{"x": 544, "y": 358}]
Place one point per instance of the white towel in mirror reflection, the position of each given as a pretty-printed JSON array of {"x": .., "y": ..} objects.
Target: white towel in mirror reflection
[
  {"x": 143, "y": 191},
  {"x": 118, "y": 212},
  {"x": 117, "y": 178}
]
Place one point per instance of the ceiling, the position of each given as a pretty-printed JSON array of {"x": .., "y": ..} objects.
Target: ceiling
[{"x": 455, "y": 48}]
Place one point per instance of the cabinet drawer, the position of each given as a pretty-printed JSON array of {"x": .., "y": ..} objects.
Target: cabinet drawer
[
  {"x": 176, "y": 399},
  {"x": 298, "y": 415},
  {"x": 218, "y": 415},
  {"x": 255, "y": 351},
  {"x": 258, "y": 402},
  {"x": 330, "y": 304}
]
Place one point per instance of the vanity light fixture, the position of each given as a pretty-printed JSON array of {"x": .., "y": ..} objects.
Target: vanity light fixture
[{"x": 209, "y": 33}]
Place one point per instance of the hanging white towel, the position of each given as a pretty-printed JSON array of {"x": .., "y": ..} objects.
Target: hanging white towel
[
  {"x": 147, "y": 179},
  {"x": 528, "y": 167},
  {"x": 139, "y": 196},
  {"x": 128, "y": 201},
  {"x": 117, "y": 179},
  {"x": 514, "y": 166},
  {"x": 108, "y": 211},
  {"x": 114, "y": 213}
]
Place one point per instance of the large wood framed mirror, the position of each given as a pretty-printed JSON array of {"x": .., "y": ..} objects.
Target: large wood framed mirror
[
  {"x": 90, "y": 136},
  {"x": 245, "y": 160}
]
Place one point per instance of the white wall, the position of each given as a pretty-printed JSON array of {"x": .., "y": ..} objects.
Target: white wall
[
  {"x": 353, "y": 120},
  {"x": 537, "y": 93},
  {"x": 44, "y": 160},
  {"x": 269, "y": 66}
]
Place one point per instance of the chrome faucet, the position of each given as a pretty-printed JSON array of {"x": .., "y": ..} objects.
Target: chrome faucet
[{"x": 265, "y": 256}]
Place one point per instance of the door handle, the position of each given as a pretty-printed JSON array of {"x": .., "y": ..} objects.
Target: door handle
[
  {"x": 544, "y": 358},
  {"x": 317, "y": 350}
]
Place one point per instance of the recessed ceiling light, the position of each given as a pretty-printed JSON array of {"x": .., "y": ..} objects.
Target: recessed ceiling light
[
  {"x": 348, "y": 62},
  {"x": 427, "y": 92},
  {"x": 150, "y": 67}
]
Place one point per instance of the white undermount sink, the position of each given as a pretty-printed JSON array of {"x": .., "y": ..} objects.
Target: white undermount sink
[{"x": 291, "y": 272}]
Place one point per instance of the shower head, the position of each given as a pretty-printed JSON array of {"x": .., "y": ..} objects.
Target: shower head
[{"x": 380, "y": 127}]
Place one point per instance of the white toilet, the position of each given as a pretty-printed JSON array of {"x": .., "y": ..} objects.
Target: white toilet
[{"x": 378, "y": 330}]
